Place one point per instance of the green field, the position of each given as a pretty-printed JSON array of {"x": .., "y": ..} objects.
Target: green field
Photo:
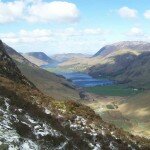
[{"x": 113, "y": 90}]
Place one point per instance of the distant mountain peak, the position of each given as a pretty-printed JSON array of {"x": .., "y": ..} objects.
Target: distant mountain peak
[
  {"x": 39, "y": 58},
  {"x": 40, "y": 55}
]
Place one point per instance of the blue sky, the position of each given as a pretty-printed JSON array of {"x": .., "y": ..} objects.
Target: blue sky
[{"x": 72, "y": 26}]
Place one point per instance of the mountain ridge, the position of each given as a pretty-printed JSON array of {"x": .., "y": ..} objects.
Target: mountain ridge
[{"x": 139, "y": 46}]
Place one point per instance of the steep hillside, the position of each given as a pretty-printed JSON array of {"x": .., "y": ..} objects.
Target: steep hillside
[
  {"x": 128, "y": 65},
  {"x": 137, "y": 74},
  {"x": 47, "y": 82},
  {"x": 139, "y": 46},
  {"x": 39, "y": 58},
  {"x": 38, "y": 122},
  {"x": 17, "y": 56},
  {"x": 50, "y": 83},
  {"x": 113, "y": 64},
  {"x": 128, "y": 68}
]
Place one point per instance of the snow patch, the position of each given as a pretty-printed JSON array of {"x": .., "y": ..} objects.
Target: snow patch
[
  {"x": 29, "y": 145},
  {"x": 47, "y": 111}
]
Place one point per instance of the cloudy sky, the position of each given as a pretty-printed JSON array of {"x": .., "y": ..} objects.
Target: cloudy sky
[{"x": 72, "y": 26}]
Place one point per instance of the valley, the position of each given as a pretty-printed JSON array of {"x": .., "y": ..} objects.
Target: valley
[{"x": 108, "y": 96}]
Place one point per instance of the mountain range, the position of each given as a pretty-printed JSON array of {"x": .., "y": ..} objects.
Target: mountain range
[{"x": 138, "y": 46}]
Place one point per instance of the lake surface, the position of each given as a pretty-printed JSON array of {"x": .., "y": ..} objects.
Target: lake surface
[
  {"x": 80, "y": 79},
  {"x": 85, "y": 80}
]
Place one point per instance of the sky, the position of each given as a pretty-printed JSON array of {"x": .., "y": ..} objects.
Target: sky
[{"x": 72, "y": 26}]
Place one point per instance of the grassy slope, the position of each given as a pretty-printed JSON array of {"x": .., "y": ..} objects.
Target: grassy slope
[
  {"x": 137, "y": 106},
  {"x": 49, "y": 83}
]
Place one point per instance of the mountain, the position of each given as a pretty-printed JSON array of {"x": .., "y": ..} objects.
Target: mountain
[
  {"x": 39, "y": 58},
  {"x": 139, "y": 46},
  {"x": 36, "y": 121},
  {"x": 125, "y": 62},
  {"x": 68, "y": 56},
  {"x": 49, "y": 83}
]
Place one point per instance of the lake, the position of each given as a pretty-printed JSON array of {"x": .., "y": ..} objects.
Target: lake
[
  {"x": 85, "y": 80},
  {"x": 78, "y": 78}
]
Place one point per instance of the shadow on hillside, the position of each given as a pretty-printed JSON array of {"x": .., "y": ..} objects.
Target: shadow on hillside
[{"x": 117, "y": 66}]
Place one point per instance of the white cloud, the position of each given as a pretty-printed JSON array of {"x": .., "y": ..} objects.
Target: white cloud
[
  {"x": 62, "y": 40},
  {"x": 53, "y": 11},
  {"x": 147, "y": 14},
  {"x": 68, "y": 32},
  {"x": 9, "y": 37},
  {"x": 127, "y": 12},
  {"x": 11, "y": 11},
  {"x": 135, "y": 31},
  {"x": 83, "y": 32},
  {"x": 43, "y": 35},
  {"x": 38, "y": 11},
  {"x": 24, "y": 36}
]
